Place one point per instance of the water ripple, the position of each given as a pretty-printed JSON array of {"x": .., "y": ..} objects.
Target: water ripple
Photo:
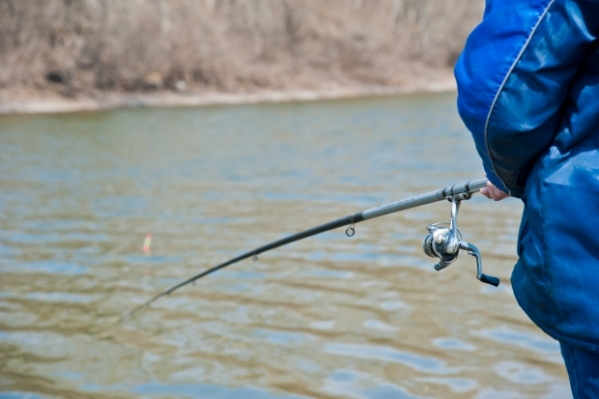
[{"x": 387, "y": 354}]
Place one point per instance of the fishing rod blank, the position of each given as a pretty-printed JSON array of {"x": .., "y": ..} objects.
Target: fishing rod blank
[{"x": 442, "y": 242}]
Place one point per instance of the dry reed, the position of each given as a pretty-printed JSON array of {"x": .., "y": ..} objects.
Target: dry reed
[{"x": 227, "y": 45}]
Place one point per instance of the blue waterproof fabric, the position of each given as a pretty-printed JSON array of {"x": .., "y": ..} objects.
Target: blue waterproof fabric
[
  {"x": 528, "y": 90},
  {"x": 583, "y": 371}
]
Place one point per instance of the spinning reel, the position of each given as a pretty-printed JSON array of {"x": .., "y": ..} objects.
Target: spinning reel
[{"x": 444, "y": 241}]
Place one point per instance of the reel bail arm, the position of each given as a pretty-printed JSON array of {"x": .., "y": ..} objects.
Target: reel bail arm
[{"x": 444, "y": 241}]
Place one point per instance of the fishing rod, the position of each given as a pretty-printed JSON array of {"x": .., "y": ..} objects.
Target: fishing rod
[{"x": 444, "y": 240}]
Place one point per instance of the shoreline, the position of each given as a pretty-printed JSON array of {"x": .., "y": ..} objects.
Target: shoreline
[{"x": 15, "y": 101}]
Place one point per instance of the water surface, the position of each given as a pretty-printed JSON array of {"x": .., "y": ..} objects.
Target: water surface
[{"x": 327, "y": 317}]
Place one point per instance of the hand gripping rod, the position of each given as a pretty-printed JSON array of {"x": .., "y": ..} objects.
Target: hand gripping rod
[{"x": 470, "y": 187}]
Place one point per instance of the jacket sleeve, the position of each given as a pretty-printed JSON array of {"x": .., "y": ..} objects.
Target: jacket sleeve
[{"x": 513, "y": 78}]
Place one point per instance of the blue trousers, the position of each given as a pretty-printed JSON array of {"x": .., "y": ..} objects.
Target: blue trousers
[{"x": 583, "y": 371}]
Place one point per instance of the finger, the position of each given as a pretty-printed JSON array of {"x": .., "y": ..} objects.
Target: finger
[
  {"x": 498, "y": 194},
  {"x": 485, "y": 191},
  {"x": 494, "y": 194}
]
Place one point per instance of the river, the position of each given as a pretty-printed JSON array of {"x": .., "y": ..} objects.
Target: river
[{"x": 327, "y": 317}]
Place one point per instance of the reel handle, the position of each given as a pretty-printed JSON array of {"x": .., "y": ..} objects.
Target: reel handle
[
  {"x": 494, "y": 281},
  {"x": 485, "y": 278}
]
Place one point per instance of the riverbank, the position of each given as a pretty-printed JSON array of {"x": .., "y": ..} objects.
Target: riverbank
[
  {"x": 66, "y": 56},
  {"x": 29, "y": 101}
]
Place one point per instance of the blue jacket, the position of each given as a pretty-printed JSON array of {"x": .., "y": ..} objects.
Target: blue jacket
[{"x": 528, "y": 90}]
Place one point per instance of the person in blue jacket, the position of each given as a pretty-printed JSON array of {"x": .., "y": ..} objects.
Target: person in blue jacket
[{"x": 528, "y": 90}]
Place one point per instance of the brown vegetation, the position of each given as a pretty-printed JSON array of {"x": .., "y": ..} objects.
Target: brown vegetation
[{"x": 82, "y": 46}]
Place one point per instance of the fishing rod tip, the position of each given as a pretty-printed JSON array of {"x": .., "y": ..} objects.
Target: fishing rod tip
[
  {"x": 129, "y": 315},
  {"x": 124, "y": 318}
]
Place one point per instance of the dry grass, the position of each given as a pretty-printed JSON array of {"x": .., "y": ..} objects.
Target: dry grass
[{"x": 227, "y": 45}]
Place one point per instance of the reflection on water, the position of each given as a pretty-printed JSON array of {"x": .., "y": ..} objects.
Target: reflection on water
[
  {"x": 206, "y": 391},
  {"x": 390, "y": 355},
  {"x": 526, "y": 340},
  {"x": 327, "y": 317},
  {"x": 351, "y": 384}
]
